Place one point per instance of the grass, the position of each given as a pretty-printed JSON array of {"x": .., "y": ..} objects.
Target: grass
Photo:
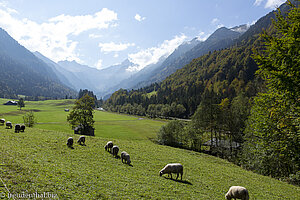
[{"x": 39, "y": 161}]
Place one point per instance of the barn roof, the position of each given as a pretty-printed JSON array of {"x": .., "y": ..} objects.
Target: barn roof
[{"x": 11, "y": 103}]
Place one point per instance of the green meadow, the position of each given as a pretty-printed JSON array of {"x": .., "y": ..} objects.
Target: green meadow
[{"x": 39, "y": 160}]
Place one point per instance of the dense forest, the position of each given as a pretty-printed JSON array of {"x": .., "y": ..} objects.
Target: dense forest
[{"x": 243, "y": 101}]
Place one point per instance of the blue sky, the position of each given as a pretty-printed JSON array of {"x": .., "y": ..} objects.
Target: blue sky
[{"x": 101, "y": 33}]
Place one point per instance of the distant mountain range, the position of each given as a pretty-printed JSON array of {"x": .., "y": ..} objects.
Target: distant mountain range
[
  {"x": 104, "y": 82},
  {"x": 82, "y": 76},
  {"x": 73, "y": 76},
  {"x": 79, "y": 76},
  {"x": 183, "y": 54},
  {"x": 22, "y": 70},
  {"x": 23, "y": 73}
]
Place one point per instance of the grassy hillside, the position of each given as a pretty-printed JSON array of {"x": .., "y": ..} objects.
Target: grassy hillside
[{"x": 39, "y": 161}]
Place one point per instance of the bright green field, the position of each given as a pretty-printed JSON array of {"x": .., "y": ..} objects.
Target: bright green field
[
  {"x": 39, "y": 161},
  {"x": 51, "y": 116}
]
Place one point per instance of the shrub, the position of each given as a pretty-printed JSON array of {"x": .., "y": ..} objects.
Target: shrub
[
  {"x": 171, "y": 134},
  {"x": 29, "y": 119}
]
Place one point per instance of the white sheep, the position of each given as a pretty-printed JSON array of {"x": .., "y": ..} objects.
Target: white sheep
[
  {"x": 176, "y": 168},
  {"x": 81, "y": 140},
  {"x": 115, "y": 150},
  {"x": 125, "y": 156},
  {"x": 70, "y": 142},
  {"x": 237, "y": 192},
  {"x": 8, "y": 124},
  {"x": 108, "y": 146},
  {"x": 2, "y": 121}
]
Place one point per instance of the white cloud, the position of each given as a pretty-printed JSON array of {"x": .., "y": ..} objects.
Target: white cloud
[
  {"x": 113, "y": 47},
  {"x": 216, "y": 22},
  {"x": 202, "y": 36},
  {"x": 152, "y": 55},
  {"x": 4, "y": 6},
  {"x": 269, "y": 3},
  {"x": 139, "y": 17},
  {"x": 52, "y": 38},
  {"x": 99, "y": 64},
  {"x": 257, "y": 2},
  {"x": 274, "y": 3},
  {"x": 94, "y": 36}
]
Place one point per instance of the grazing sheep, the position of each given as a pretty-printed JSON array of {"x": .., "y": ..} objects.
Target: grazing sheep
[
  {"x": 115, "y": 150},
  {"x": 70, "y": 142},
  {"x": 8, "y": 124},
  {"x": 108, "y": 146},
  {"x": 237, "y": 192},
  {"x": 176, "y": 168},
  {"x": 125, "y": 156},
  {"x": 81, "y": 140},
  {"x": 2, "y": 121},
  {"x": 23, "y": 128},
  {"x": 17, "y": 128}
]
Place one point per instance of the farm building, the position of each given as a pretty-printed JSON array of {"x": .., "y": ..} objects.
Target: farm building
[{"x": 11, "y": 103}]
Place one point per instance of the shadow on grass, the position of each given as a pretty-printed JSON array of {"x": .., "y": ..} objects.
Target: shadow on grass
[
  {"x": 180, "y": 181},
  {"x": 70, "y": 147},
  {"x": 117, "y": 157},
  {"x": 127, "y": 164}
]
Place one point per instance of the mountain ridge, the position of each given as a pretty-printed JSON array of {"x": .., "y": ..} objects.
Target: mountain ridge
[
  {"x": 21, "y": 72},
  {"x": 221, "y": 38}
]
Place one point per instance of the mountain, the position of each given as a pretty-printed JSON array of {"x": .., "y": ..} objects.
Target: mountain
[
  {"x": 133, "y": 81},
  {"x": 140, "y": 78},
  {"x": 57, "y": 69},
  {"x": 85, "y": 77},
  {"x": 80, "y": 76},
  {"x": 220, "y": 39},
  {"x": 221, "y": 74},
  {"x": 183, "y": 48},
  {"x": 240, "y": 29},
  {"x": 21, "y": 72}
]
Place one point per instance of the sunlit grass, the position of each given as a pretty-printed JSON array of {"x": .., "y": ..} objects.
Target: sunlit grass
[{"x": 38, "y": 160}]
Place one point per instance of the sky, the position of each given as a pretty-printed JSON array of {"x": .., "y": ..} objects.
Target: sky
[{"x": 102, "y": 33}]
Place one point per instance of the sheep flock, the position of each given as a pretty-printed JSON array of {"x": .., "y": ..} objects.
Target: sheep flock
[{"x": 234, "y": 192}]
